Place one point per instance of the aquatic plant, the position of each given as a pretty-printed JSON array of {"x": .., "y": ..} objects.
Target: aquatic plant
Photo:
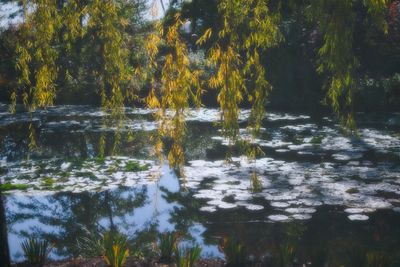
[
  {"x": 234, "y": 251},
  {"x": 115, "y": 255},
  {"x": 115, "y": 249},
  {"x": 317, "y": 140},
  {"x": 167, "y": 246},
  {"x": 48, "y": 182},
  {"x": 36, "y": 251},
  {"x": 187, "y": 257},
  {"x": 113, "y": 167},
  {"x": 134, "y": 166},
  {"x": 10, "y": 186},
  {"x": 111, "y": 246},
  {"x": 91, "y": 245}
]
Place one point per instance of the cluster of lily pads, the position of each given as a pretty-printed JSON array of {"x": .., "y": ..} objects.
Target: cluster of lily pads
[
  {"x": 308, "y": 164},
  {"x": 294, "y": 190},
  {"x": 55, "y": 175}
]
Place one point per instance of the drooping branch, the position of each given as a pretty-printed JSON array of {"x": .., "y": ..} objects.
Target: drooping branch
[
  {"x": 172, "y": 93},
  {"x": 336, "y": 58},
  {"x": 249, "y": 28},
  {"x": 336, "y": 20}
]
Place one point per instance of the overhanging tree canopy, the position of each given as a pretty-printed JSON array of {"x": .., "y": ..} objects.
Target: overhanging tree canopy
[{"x": 236, "y": 47}]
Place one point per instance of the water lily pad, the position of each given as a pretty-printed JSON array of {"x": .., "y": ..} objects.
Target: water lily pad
[
  {"x": 301, "y": 216},
  {"x": 253, "y": 207},
  {"x": 358, "y": 217},
  {"x": 300, "y": 210},
  {"x": 280, "y": 204},
  {"x": 208, "y": 209},
  {"x": 278, "y": 218}
]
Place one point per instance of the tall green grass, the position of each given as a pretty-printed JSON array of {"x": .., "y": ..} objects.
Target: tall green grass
[{"x": 36, "y": 251}]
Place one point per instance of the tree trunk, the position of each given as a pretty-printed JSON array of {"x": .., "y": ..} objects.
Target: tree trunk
[{"x": 4, "y": 250}]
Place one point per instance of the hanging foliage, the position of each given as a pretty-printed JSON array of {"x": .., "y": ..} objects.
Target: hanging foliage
[
  {"x": 107, "y": 25},
  {"x": 172, "y": 93},
  {"x": 36, "y": 55},
  {"x": 36, "y": 59},
  {"x": 336, "y": 55},
  {"x": 47, "y": 24},
  {"x": 336, "y": 22},
  {"x": 264, "y": 34},
  {"x": 249, "y": 28}
]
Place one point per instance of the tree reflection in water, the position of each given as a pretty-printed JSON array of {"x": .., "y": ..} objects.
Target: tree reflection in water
[
  {"x": 142, "y": 213},
  {"x": 64, "y": 217}
]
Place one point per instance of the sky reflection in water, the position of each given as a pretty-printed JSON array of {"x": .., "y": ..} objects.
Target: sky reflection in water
[{"x": 315, "y": 181}]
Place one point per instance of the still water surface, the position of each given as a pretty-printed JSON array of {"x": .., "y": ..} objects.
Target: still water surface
[{"x": 329, "y": 196}]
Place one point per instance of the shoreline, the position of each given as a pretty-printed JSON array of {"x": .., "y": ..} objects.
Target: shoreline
[{"x": 131, "y": 262}]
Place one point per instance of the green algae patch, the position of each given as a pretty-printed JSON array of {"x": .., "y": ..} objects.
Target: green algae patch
[
  {"x": 134, "y": 166},
  {"x": 317, "y": 140},
  {"x": 9, "y": 186},
  {"x": 58, "y": 187},
  {"x": 48, "y": 182}
]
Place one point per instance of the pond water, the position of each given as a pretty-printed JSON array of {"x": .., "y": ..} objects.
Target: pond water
[{"x": 329, "y": 196}]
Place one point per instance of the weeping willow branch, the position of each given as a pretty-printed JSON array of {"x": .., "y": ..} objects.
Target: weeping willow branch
[
  {"x": 336, "y": 55},
  {"x": 105, "y": 21},
  {"x": 37, "y": 53},
  {"x": 36, "y": 59},
  {"x": 36, "y": 56},
  {"x": 249, "y": 29},
  {"x": 179, "y": 85}
]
